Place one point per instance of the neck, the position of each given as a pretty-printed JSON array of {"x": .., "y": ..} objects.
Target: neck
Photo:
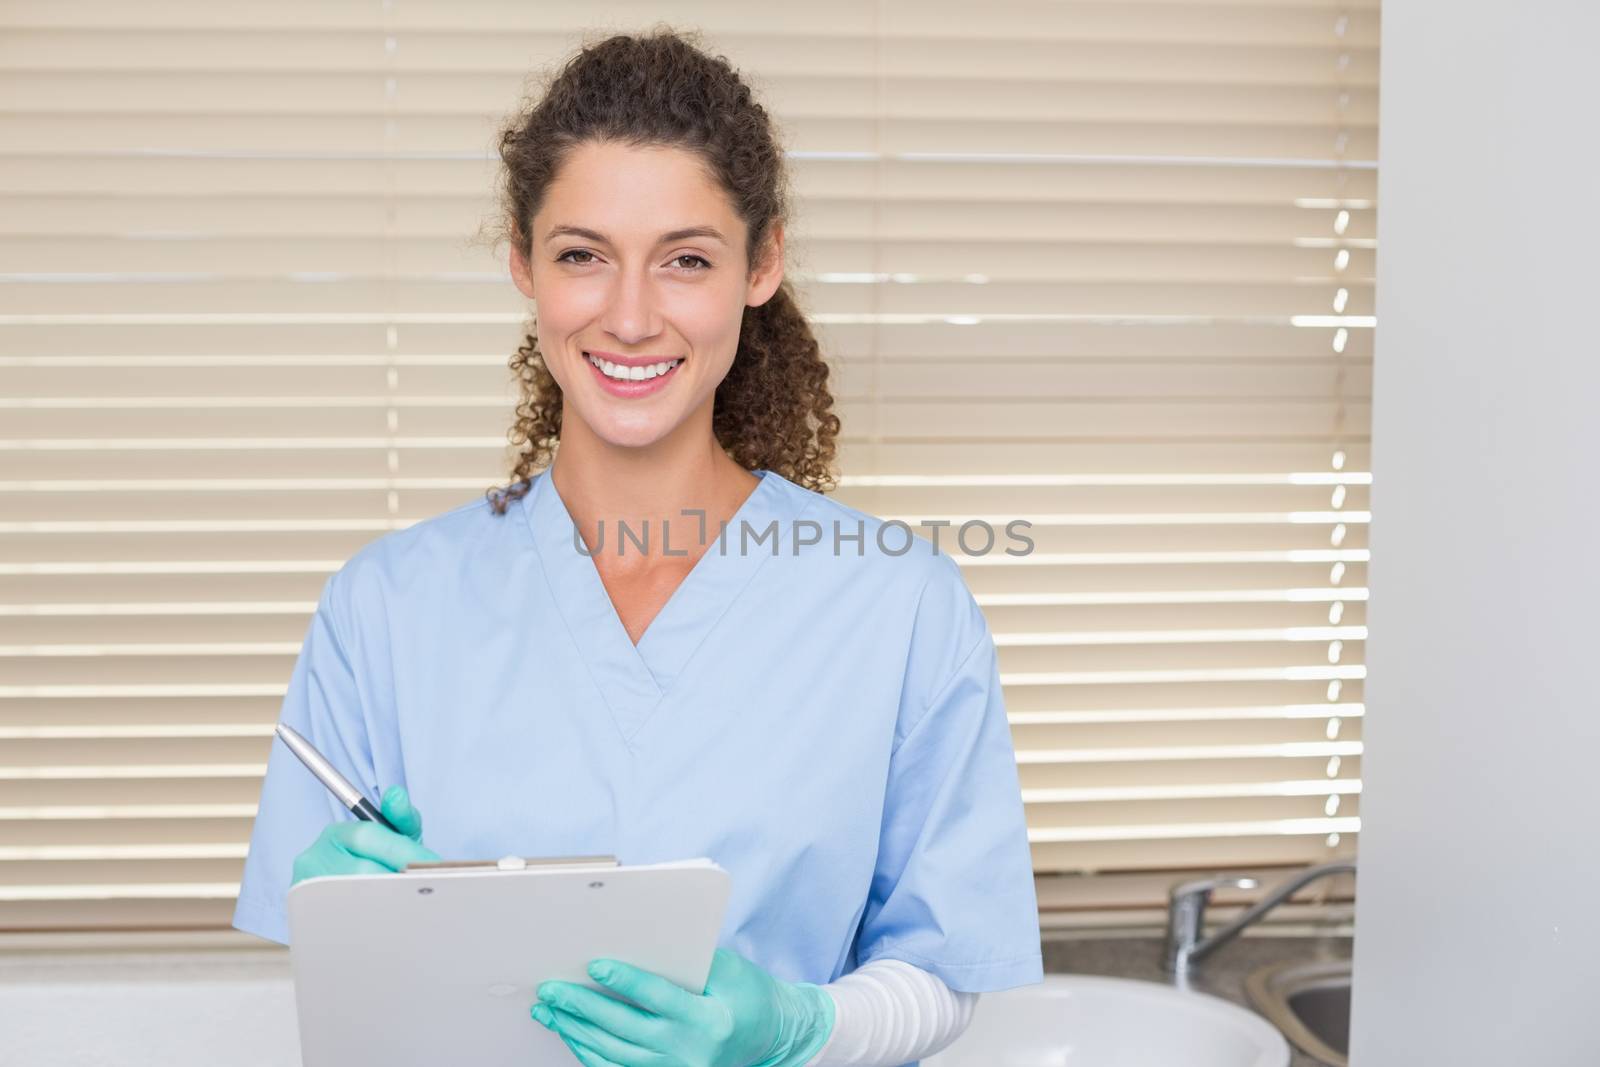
[{"x": 655, "y": 484}]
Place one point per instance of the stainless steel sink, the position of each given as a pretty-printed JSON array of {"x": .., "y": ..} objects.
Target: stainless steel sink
[{"x": 1310, "y": 1002}]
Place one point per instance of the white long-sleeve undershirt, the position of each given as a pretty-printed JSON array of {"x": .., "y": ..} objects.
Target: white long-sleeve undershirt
[{"x": 889, "y": 1012}]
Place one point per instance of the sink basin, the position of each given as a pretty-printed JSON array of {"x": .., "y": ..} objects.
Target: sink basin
[
  {"x": 1074, "y": 1020},
  {"x": 203, "y": 1009},
  {"x": 1310, "y": 1002}
]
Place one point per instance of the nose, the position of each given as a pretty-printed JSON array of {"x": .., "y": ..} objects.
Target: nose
[{"x": 631, "y": 315}]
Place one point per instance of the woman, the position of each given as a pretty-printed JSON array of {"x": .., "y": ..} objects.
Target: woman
[{"x": 764, "y": 677}]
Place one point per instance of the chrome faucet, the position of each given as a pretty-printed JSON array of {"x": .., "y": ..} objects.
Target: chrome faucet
[{"x": 1186, "y": 911}]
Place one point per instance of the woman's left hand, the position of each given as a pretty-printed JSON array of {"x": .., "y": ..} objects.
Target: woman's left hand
[{"x": 745, "y": 1017}]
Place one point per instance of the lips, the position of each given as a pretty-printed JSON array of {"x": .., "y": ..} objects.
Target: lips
[{"x": 646, "y": 374}]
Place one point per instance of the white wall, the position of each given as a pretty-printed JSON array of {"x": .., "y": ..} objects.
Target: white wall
[{"x": 1478, "y": 912}]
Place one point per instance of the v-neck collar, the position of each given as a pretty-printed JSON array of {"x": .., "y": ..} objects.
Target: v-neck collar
[{"x": 634, "y": 679}]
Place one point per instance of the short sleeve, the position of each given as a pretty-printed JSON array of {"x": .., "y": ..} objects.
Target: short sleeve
[
  {"x": 952, "y": 891},
  {"x": 323, "y": 704}
]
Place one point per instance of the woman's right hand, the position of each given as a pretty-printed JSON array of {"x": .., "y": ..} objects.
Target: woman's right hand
[{"x": 361, "y": 847}]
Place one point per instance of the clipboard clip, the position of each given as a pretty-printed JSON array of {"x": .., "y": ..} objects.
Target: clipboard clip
[{"x": 513, "y": 863}]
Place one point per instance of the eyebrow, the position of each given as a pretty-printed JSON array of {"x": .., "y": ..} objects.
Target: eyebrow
[{"x": 666, "y": 238}]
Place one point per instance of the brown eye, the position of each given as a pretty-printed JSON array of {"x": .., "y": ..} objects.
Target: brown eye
[
  {"x": 562, "y": 258},
  {"x": 693, "y": 259}
]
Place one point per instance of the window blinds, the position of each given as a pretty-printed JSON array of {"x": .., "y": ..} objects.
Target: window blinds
[{"x": 1103, "y": 266}]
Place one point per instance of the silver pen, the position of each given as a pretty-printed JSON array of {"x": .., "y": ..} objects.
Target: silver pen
[{"x": 337, "y": 784}]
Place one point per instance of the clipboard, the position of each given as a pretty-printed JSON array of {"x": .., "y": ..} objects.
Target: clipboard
[{"x": 441, "y": 962}]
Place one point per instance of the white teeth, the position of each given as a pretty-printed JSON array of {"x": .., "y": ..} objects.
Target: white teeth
[{"x": 632, "y": 374}]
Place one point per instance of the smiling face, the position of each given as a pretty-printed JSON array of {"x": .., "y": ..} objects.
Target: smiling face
[{"x": 639, "y": 270}]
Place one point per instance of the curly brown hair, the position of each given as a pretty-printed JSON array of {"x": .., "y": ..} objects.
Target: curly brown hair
[{"x": 773, "y": 409}]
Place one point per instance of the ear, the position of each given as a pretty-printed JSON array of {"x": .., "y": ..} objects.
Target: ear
[
  {"x": 521, "y": 273},
  {"x": 768, "y": 275}
]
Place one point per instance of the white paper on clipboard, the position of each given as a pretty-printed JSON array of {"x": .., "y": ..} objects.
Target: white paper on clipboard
[{"x": 441, "y": 966}]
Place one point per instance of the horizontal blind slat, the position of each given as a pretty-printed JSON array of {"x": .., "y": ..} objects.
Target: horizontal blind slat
[
  {"x": 313, "y": 136},
  {"x": 159, "y": 183},
  {"x": 1184, "y": 21},
  {"x": 422, "y": 52}
]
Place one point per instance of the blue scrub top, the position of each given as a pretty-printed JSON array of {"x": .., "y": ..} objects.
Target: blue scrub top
[{"x": 828, "y": 726}]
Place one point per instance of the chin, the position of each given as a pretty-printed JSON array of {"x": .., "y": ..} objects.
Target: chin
[{"x": 630, "y": 433}]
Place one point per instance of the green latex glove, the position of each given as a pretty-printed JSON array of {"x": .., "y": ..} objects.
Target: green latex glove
[
  {"x": 745, "y": 1018},
  {"x": 361, "y": 847}
]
